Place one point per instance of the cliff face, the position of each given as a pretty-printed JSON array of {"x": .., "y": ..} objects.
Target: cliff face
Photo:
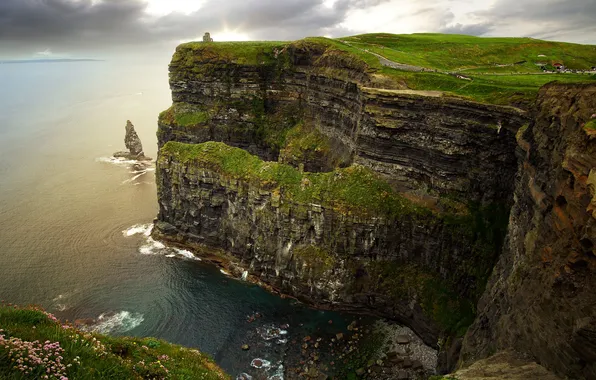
[
  {"x": 540, "y": 299},
  {"x": 340, "y": 239},
  {"x": 384, "y": 200},
  {"x": 419, "y": 140}
]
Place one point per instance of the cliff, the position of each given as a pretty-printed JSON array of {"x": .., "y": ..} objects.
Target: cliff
[
  {"x": 326, "y": 180},
  {"x": 540, "y": 298},
  {"x": 330, "y": 183}
]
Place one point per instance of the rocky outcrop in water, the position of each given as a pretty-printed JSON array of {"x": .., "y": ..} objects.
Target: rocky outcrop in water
[{"x": 133, "y": 144}]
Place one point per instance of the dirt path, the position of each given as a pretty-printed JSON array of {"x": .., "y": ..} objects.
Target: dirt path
[{"x": 389, "y": 63}]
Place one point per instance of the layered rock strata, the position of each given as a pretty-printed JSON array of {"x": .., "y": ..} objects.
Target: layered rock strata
[
  {"x": 419, "y": 140},
  {"x": 540, "y": 299}
]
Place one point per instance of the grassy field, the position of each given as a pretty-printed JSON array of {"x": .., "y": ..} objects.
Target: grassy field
[
  {"x": 35, "y": 345},
  {"x": 453, "y": 52}
]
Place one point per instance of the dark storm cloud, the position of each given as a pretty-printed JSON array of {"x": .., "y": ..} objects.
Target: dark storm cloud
[
  {"x": 28, "y": 26},
  {"x": 71, "y": 25}
]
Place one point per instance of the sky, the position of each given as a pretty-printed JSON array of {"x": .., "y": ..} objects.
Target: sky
[{"x": 98, "y": 28}]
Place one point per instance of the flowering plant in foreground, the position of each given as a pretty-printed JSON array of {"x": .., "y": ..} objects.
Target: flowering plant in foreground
[
  {"x": 40, "y": 360},
  {"x": 34, "y": 344}
]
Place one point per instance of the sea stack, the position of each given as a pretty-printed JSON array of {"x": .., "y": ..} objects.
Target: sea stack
[{"x": 133, "y": 144}]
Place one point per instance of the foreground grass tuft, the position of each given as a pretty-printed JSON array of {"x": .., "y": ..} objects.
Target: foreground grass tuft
[{"x": 35, "y": 345}]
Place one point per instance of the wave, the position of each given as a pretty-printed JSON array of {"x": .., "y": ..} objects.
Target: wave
[
  {"x": 120, "y": 322},
  {"x": 278, "y": 374},
  {"x": 137, "y": 229},
  {"x": 186, "y": 254},
  {"x": 60, "y": 302},
  {"x": 116, "y": 161},
  {"x": 271, "y": 332},
  {"x": 155, "y": 247},
  {"x": 260, "y": 363},
  {"x": 152, "y": 247}
]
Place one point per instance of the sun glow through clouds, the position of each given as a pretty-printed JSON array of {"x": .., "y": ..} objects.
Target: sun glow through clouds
[
  {"x": 229, "y": 35},
  {"x": 164, "y": 7}
]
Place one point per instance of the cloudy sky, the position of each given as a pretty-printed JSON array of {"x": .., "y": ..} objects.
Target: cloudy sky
[{"x": 75, "y": 28}]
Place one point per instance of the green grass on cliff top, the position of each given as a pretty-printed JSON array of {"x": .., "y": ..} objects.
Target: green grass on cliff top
[
  {"x": 454, "y": 52},
  {"x": 85, "y": 355},
  {"x": 350, "y": 190},
  {"x": 503, "y": 70}
]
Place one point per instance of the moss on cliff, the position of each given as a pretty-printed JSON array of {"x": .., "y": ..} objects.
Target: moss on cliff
[
  {"x": 184, "y": 115},
  {"x": 78, "y": 354},
  {"x": 438, "y": 298},
  {"x": 303, "y": 143},
  {"x": 355, "y": 189},
  {"x": 318, "y": 259}
]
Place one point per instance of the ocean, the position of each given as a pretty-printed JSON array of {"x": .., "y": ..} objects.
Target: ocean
[{"x": 74, "y": 223}]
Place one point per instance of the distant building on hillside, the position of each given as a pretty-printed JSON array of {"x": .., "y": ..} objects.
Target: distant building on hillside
[
  {"x": 558, "y": 66},
  {"x": 207, "y": 37}
]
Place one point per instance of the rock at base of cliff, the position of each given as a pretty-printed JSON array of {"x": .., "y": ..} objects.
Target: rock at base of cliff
[{"x": 505, "y": 365}]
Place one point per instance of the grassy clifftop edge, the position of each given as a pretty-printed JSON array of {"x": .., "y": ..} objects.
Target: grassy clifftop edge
[{"x": 36, "y": 345}]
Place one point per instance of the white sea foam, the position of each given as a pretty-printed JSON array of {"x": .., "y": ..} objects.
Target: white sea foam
[
  {"x": 135, "y": 177},
  {"x": 152, "y": 247},
  {"x": 116, "y": 161},
  {"x": 60, "y": 302},
  {"x": 155, "y": 247},
  {"x": 260, "y": 363},
  {"x": 186, "y": 254},
  {"x": 278, "y": 374},
  {"x": 119, "y": 322},
  {"x": 137, "y": 229},
  {"x": 244, "y": 376},
  {"x": 271, "y": 332}
]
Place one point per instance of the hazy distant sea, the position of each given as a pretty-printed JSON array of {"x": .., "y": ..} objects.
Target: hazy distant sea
[{"x": 74, "y": 224}]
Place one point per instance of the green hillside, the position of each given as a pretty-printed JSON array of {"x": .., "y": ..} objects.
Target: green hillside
[
  {"x": 452, "y": 52},
  {"x": 35, "y": 345}
]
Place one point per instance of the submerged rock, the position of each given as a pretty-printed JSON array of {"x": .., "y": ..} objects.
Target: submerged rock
[{"x": 133, "y": 144}]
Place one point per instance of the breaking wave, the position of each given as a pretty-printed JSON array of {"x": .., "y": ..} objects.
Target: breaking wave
[
  {"x": 120, "y": 322},
  {"x": 116, "y": 161},
  {"x": 136, "y": 168},
  {"x": 137, "y": 229},
  {"x": 155, "y": 247}
]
